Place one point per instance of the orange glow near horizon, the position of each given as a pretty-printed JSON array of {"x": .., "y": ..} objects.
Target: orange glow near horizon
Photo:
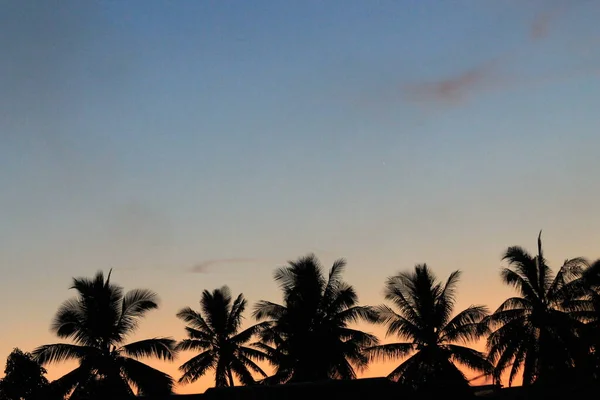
[
  {"x": 375, "y": 369},
  {"x": 477, "y": 286}
]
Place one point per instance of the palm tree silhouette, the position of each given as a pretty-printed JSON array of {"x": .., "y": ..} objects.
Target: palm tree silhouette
[
  {"x": 584, "y": 305},
  {"x": 424, "y": 318},
  {"x": 534, "y": 331},
  {"x": 308, "y": 337},
  {"x": 215, "y": 333},
  {"x": 98, "y": 321}
]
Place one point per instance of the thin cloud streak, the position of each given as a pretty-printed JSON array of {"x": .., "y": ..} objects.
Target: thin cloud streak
[
  {"x": 205, "y": 266},
  {"x": 543, "y": 23},
  {"x": 455, "y": 89}
]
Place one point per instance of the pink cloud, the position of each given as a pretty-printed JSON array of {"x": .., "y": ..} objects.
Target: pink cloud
[{"x": 456, "y": 88}]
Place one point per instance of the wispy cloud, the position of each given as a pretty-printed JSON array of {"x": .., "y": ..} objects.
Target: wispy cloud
[
  {"x": 205, "y": 266},
  {"x": 455, "y": 88},
  {"x": 543, "y": 23},
  {"x": 208, "y": 265}
]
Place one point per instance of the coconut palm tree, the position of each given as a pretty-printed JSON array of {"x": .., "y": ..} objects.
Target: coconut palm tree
[
  {"x": 535, "y": 332},
  {"x": 214, "y": 331},
  {"x": 98, "y": 321},
  {"x": 309, "y": 337},
  {"x": 433, "y": 338},
  {"x": 584, "y": 305}
]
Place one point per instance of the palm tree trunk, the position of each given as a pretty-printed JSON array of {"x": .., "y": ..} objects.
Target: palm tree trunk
[{"x": 230, "y": 375}]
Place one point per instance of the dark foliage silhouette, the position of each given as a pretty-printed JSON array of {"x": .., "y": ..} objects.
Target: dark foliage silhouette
[
  {"x": 534, "y": 332},
  {"x": 549, "y": 332},
  {"x": 585, "y": 306},
  {"x": 24, "y": 378},
  {"x": 98, "y": 321},
  {"x": 214, "y": 331},
  {"x": 308, "y": 337},
  {"x": 424, "y": 319}
]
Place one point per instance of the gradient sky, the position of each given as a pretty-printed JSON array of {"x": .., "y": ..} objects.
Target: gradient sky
[{"x": 160, "y": 138}]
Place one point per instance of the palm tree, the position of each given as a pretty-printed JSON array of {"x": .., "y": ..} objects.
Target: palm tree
[
  {"x": 424, "y": 319},
  {"x": 98, "y": 321},
  {"x": 534, "y": 331},
  {"x": 308, "y": 337},
  {"x": 585, "y": 306},
  {"x": 215, "y": 333}
]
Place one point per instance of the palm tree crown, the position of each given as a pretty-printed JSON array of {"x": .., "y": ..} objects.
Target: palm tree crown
[
  {"x": 534, "y": 332},
  {"x": 98, "y": 321},
  {"x": 308, "y": 337},
  {"x": 586, "y": 308},
  {"x": 424, "y": 319},
  {"x": 215, "y": 333}
]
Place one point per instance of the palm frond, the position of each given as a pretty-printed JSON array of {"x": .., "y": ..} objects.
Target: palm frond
[
  {"x": 65, "y": 384},
  {"x": 396, "y": 291},
  {"x": 357, "y": 314},
  {"x": 466, "y": 326},
  {"x": 249, "y": 332},
  {"x": 271, "y": 354},
  {"x": 344, "y": 370},
  {"x": 389, "y": 351},
  {"x": 515, "y": 303},
  {"x": 518, "y": 360},
  {"x": 197, "y": 366},
  {"x": 398, "y": 325},
  {"x": 514, "y": 331},
  {"x": 58, "y": 352},
  {"x": 251, "y": 365},
  {"x": 569, "y": 282},
  {"x": 268, "y": 310},
  {"x": 149, "y": 381},
  {"x": 342, "y": 299},
  {"x": 235, "y": 315},
  {"x": 69, "y": 322},
  {"x": 195, "y": 320},
  {"x": 470, "y": 358},
  {"x": 447, "y": 298},
  {"x": 253, "y": 354},
  {"x": 400, "y": 371},
  {"x": 241, "y": 370},
  {"x": 161, "y": 348},
  {"x": 333, "y": 282},
  {"x": 522, "y": 284},
  {"x": 134, "y": 305},
  {"x": 592, "y": 274},
  {"x": 500, "y": 318},
  {"x": 194, "y": 344},
  {"x": 197, "y": 334}
]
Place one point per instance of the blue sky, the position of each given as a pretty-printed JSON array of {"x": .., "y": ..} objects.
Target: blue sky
[{"x": 155, "y": 136}]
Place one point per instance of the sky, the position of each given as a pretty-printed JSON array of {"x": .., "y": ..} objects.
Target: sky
[{"x": 191, "y": 144}]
